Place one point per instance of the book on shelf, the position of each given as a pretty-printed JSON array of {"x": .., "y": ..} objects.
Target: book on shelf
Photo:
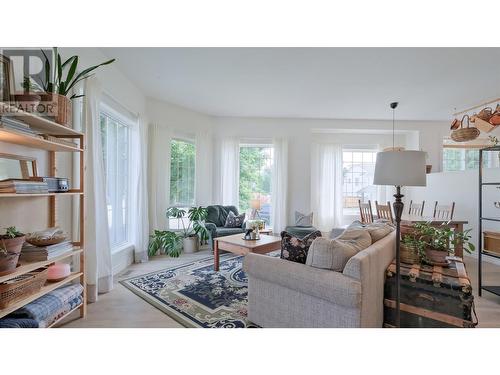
[
  {"x": 31, "y": 253},
  {"x": 60, "y": 140},
  {"x": 20, "y": 186}
]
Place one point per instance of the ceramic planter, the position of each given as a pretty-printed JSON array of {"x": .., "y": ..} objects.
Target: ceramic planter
[
  {"x": 436, "y": 257},
  {"x": 13, "y": 246},
  {"x": 191, "y": 244}
]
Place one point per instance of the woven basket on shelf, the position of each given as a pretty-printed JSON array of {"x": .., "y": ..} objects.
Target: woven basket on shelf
[
  {"x": 23, "y": 286},
  {"x": 465, "y": 134}
]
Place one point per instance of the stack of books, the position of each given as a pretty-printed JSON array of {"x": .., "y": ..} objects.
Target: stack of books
[
  {"x": 31, "y": 253},
  {"x": 11, "y": 123},
  {"x": 20, "y": 186}
]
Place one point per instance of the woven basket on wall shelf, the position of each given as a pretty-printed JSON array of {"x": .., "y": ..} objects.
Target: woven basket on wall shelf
[{"x": 465, "y": 134}]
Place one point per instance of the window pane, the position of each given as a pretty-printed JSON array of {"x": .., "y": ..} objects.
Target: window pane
[
  {"x": 358, "y": 170},
  {"x": 255, "y": 179},
  {"x": 115, "y": 149},
  {"x": 182, "y": 173}
]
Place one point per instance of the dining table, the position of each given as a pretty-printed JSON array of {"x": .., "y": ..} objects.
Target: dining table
[{"x": 456, "y": 224}]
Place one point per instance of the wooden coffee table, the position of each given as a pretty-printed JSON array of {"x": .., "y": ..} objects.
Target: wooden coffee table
[{"x": 237, "y": 245}]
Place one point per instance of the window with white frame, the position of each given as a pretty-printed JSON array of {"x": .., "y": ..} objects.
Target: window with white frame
[
  {"x": 182, "y": 176},
  {"x": 358, "y": 170},
  {"x": 115, "y": 133},
  {"x": 255, "y": 179},
  {"x": 461, "y": 159}
]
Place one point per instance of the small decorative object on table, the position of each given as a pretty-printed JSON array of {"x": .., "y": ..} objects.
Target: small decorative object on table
[
  {"x": 11, "y": 244},
  {"x": 248, "y": 234},
  {"x": 58, "y": 272},
  {"x": 431, "y": 296}
]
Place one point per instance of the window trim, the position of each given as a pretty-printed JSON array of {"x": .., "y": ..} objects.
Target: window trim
[{"x": 107, "y": 110}]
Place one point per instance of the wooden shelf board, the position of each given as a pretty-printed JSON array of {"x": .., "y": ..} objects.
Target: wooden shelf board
[
  {"x": 15, "y": 195},
  {"x": 10, "y": 136},
  {"x": 45, "y": 289},
  {"x": 38, "y": 122},
  {"x": 28, "y": 267},
  {"x": 65, "y": 315}
]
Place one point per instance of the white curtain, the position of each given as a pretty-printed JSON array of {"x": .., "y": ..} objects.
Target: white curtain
[
  {"x": 204, "y": 170},
  {"x": 159, "y": 175},
  {"x": 229, "y": 176},
  {"x": 139, "y": 191},
  {"x": 326, "y": 185},
  {"x": 279, "y": 185},
  {"x": 97, "y": 246}
]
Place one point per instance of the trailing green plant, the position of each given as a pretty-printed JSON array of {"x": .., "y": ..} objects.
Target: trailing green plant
[
  {"x": 66, "y": 76},
  {"x": 170, "y": 241},
  {"x": 441, "y": 238},
  {"x": 167, "y": 240}
]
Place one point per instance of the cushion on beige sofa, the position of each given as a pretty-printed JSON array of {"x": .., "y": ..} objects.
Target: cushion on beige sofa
[
  {"x": 379, "y": 230},
  {"x": 333, "y": 254}
]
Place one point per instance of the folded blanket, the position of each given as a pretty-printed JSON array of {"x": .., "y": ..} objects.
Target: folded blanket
[
  {"x": 46, "y": 306},
  {"x": 18, "y": 323},
  {"x": 60, "y": 313}
]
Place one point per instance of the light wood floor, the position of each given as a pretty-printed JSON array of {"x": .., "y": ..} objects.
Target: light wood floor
[{"x": 122, "y": 308}]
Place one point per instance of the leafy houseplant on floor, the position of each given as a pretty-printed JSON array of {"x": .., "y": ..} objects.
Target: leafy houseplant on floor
[
  {"x": 188, "y": 238},
  {"x": 10, "y": 249},
  {"x": 434, "y": 244}
]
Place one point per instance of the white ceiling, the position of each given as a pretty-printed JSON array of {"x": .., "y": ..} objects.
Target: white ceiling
[{"x": 343, "y": 83}]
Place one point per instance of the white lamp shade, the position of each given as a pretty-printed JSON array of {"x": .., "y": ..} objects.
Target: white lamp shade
[{"x": 400, "y": 168}]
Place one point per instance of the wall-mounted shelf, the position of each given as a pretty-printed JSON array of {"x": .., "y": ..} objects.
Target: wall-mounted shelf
[
  {"x": 49, "y": 287},
  {"x": 37, "y": 122},
  {"x": 31, "y": 266},
  {"x": 16, "y": 195},
  {"x": 18, "y": 138}
]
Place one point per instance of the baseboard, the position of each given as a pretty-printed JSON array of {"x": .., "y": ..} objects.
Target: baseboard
[{"x": 122, "y": 259}]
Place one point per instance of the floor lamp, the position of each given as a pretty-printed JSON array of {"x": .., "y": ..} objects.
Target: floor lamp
[{"x": 399, "y": 168}]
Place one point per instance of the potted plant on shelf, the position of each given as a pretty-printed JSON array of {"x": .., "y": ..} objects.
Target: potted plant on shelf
[
  {"x": 58, "y": 88},
  {"x": 188, "y": 238},
  {"x": 10, "y": 248},
  {"x": 434, "y": 244}
]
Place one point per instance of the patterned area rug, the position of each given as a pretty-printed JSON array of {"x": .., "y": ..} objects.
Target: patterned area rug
[{"x": 196, "y": 296}]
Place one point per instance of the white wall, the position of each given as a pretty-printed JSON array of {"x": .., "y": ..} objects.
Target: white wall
[{"x": 301, "y": 132}]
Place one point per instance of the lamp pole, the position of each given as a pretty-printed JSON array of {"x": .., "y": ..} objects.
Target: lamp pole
[{"x": 398, "y": 206}]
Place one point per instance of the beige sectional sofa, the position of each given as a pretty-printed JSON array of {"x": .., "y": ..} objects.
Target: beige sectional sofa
[{"x": 284, "y": 294}]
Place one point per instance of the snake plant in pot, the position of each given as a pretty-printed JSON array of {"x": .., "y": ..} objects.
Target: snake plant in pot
[
  {"x": 58, "y": 86},
  {"x": 187, "y": 239},
  {"x": 11, "y": 244}
]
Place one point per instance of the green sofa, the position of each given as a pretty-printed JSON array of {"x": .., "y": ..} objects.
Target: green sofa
[{"x": 216, "y": 219}]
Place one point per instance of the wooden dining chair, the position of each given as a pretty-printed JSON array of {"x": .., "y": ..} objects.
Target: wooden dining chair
[
  {"x": 416, "y": 209},
  {"x": 365, "y": 212},
  {"x": 384, "y": 211},
  {"x": 444, "y": 212}
]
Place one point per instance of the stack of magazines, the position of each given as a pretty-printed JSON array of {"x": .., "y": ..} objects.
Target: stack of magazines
[
  {"x": 20, "y": 186},
  {"x": 11, "y": 123},
  {"x": 31, "y": 253}
]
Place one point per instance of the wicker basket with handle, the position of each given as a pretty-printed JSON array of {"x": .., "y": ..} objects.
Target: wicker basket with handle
[
  {"x": 465, "y": 134},
  {"x": 20, "y": 287}
]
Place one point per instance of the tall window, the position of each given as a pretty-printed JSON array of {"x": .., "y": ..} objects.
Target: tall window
[
  {"x": 358, "y": 170},
  {"x": 115, "y": 147},
  {"x": 255, "y": 179},
  {"x": 182, "y": 173}
]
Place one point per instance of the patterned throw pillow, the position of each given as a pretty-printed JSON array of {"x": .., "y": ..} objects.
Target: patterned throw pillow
[
  {"x": 302, "y": 220},
  {"x": 234, "y": 221},
  {"x": 295, "y": 249}
]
